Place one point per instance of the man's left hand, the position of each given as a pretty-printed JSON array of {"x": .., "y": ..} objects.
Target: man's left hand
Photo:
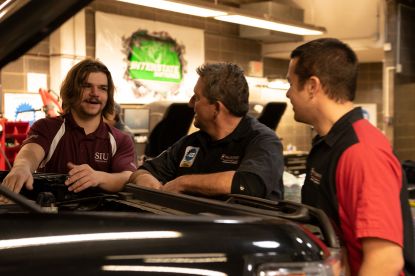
[{"x": 81, "y": 177}]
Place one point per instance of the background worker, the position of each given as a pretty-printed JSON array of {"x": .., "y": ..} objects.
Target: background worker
[{"x": 115, "y": 120}]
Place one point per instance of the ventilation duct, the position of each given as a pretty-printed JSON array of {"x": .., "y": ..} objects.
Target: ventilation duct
[{"x": 276, "y": 10}]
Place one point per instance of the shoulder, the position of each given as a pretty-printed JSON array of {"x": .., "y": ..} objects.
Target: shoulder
[
  {"x": 190, "y": 139},
  {"x": 255, "y": 129},
  {"x": 119, "y": 136},
  {"x": 366, "y": 158},
  {"x": 369, "y": 135},
  {"x": 48, "y": 123},
  {"x": 258, "y": 126}
]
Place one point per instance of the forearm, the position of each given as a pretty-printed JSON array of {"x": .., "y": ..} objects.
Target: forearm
[
  {"x": 144, "y": 178},
  {"x": 206, "y": 184},
  {"x": 29, "y": 157},
  {"x": 380, "y": 257},
  {"x": 113, "y": 182}
]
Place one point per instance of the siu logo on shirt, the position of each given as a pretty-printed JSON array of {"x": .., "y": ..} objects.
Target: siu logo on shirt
[
  {"x": 101, "y": 157},
  {"x": 189, "y": 157}
]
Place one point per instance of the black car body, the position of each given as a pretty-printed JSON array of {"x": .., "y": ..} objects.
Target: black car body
[
  {"x": 148, "y": 232},
  {"x": 140, "y": 231}
]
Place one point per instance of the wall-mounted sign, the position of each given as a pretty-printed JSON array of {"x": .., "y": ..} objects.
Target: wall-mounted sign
[
  {"x": 154, "y": 57},
  {"x": 154, "y": 62},
  {"x": 143, "y": 57},
  {"x": 23, "y": 107}
]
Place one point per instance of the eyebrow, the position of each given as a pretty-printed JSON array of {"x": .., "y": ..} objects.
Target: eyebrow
[{"x": 89, "y": 83}]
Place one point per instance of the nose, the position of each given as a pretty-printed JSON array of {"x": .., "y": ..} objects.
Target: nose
[
  {"x": 287, "y": 94},
  {"x": 94, "y": 89},
  {"x": 192, "y": 101}
]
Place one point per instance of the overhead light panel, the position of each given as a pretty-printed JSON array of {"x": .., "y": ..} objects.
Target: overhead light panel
[
  {"x": 229, "y": 14},
  {"x": 178, "y": 7},
  {"x": 269, "y": 25}
]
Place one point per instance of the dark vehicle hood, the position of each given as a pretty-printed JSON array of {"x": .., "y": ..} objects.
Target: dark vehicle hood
[
  {"x": 142, "y": 230},
  {"x": 23, "y": 23},
  {"x": 91, "y": 242}
]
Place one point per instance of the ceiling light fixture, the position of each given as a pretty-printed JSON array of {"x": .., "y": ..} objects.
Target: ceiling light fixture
[
  {"x": 231, "y": 15},
  {"x": 178, "y": 7},
  {"x": 271, "y": 25}
]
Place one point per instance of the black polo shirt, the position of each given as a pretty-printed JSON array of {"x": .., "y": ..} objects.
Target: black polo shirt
[{"x": 252, "y": 150}]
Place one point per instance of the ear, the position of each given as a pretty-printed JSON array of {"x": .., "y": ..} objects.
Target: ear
[
  {"x": 218, "y": 106},
  {"x": 313, "y": 86}
]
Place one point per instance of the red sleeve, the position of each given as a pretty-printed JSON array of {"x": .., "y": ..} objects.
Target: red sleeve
[{"x": 368, "y": 183}]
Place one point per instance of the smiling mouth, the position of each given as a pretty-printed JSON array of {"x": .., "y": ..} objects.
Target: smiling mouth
[{"x": 92, "y": 101}]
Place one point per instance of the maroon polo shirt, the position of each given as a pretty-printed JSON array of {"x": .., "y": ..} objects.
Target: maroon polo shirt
[{"x": 106, "y": 149}]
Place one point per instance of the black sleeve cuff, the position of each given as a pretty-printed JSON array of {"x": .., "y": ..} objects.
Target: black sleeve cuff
[{"x": 247, "y": 183}]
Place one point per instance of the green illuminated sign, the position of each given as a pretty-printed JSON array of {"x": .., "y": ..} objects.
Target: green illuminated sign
[{"x": 154, "y": 58}]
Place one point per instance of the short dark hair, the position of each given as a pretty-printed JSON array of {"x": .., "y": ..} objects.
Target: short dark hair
[
  {"x": 71, "y": 88},
  {"x": 333, "y": 62},
  {"x": 225, "y": 82}
]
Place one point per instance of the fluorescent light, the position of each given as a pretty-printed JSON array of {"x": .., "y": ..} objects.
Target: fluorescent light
[
  {"x": 177, "y": 7},
  {"x": 229, "y": 14},
  {"x": 269, "y": 25}
]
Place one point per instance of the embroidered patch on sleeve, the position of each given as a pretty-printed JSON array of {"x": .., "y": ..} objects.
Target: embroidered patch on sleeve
[{"x": 189, "y": 157}]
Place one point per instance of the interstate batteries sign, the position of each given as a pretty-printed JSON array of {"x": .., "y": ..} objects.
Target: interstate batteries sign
[{"x": 155, "y": 62}]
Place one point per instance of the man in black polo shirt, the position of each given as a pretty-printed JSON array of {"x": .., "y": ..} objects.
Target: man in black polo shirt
[
  {"x": 352, "y": 173},
  {"x": 231, "y": 153}
]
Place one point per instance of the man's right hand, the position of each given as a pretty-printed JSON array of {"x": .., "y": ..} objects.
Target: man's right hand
[
  {"x": 17, "y": 177},
  {"x": 27, "y": 161}
]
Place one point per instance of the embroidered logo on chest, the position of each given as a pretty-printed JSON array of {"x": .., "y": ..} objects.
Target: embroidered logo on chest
[
  {"x": 189, "y": 157},
  {"x": 101, "y": 157},
  {"x": 229, "y": 159},
  {"x": 315, "y": 177}
]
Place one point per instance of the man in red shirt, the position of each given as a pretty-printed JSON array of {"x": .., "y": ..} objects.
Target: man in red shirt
[
  {"x": 78, "y": 143},
  {"x": 352, "y": 173}
]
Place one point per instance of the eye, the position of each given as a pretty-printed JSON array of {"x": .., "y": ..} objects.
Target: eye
[
  {"x": 103, "y": 88},
  {"x": 86, "y": 85}
]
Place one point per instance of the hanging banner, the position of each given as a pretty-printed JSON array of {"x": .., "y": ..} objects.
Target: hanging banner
[{"x": 149, "y": 60}]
